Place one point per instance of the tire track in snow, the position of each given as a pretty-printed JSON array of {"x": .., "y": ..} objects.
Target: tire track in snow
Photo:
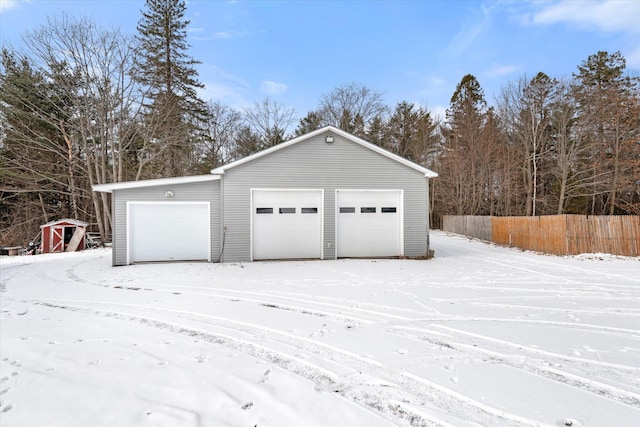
[
  {"x": 373, "y": 316},
  {"x": 346, "y": 309},
  {"x": 493, "y": 350},
  {"x": 525, "y": 263},
  {"x": 626, "y": 312},
  {"x": 579, "y": 326},
  {"x": 359, "y": 388},
  {"x": 347, "y": 313},
  {"x": 362, "y": 315},
  {"x": 325, "y": 379}
]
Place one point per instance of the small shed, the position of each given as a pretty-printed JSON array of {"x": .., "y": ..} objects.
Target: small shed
[{"x": 63, "y": 235}]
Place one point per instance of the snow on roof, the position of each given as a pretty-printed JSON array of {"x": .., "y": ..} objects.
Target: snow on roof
[
  {"x": 428, "y": 173},
  {"x": 108, "y": 188},
  {"x": 68, "y": 220}
]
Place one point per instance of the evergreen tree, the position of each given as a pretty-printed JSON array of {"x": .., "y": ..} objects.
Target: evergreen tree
[
  {"x": 403, "y": 128},
  {"x": 309, "y": 123},
  {"x": 376, "y": 131},
  {"x": 32, "y": 155},
  {"x": 176, "y": 114},
  {"x": 462, "y": 165},
  {"x": 607, "y": 102}
]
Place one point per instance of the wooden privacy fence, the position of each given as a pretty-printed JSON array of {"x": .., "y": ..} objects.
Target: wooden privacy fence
[
  {"x": 469, "y": 225},
  {"x": 554, "y": 234}
]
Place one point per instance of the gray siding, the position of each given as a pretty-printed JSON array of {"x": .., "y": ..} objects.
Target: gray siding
[
  {"x": 311, "y": 164},
  {"x": 198, "y": 191}
]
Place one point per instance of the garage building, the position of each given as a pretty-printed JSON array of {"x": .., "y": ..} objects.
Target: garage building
[{"x": 323, "y": 195}]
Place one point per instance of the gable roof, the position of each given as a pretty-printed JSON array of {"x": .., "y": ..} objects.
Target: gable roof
[
  {"x": 65, "y": 220},
  {"x": 108, "y": 188},
  {"x": 428, "y": 173}
]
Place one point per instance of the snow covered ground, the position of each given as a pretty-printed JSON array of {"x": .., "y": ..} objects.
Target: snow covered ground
[{"x": 479, "y": 335}]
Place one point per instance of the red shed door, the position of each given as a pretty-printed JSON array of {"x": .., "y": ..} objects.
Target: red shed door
[{"x": 56, "y": 242}]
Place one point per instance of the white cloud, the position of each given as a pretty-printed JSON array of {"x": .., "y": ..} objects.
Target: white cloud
[
  {"x": 272, "y": 88},
  {"x": 8, "y": 5},
  {"x": 611, "y": 15},
  {"x": 228, "y": 88},
  {"x": 219, "y": 35},
  {"x": 438, "y": 112},
  {"x": 225, "y": 93},
  {"x": 633, "y": 58},
  {"x": 437, "y": 81},
  {"x": 471, "y": 29},
  {"x": 222, "y": 35},
  {"x": 501, "y": 70}
]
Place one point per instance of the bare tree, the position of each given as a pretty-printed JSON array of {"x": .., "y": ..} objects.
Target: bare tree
[
  {"x": 569, "y": 147},
  {"x": 88, "y": 110},
  {"x": 222, "y": 127},
  {"x": 525, "y": 108},
  {"x": 352, "y": 107},
  {"x": 607, "y": 105},
  {"x": 270, "y": 120}
]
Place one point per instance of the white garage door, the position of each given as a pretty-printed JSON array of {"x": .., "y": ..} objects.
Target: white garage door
[
  {"x": 286, "y": 224},
  {"x": 369, "y": 223},
  {"x": 178, "y": 231}
]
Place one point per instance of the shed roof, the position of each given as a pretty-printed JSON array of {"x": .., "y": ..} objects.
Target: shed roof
[
  {"x": 327, "y": 129},
  {"x": 108, "y": 188},
  {"x": 65, "y": 220}
]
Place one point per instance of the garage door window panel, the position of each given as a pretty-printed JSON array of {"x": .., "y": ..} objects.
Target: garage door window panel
[{"x": 290, "y": 233}]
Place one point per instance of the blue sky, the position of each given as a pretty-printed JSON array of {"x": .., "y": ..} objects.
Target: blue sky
[{"x": 416, "y": 51}]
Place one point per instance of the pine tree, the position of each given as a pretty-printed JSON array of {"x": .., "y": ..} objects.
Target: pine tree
[
  {"x": 309, "y": 123},
  {"x": 165, "y": 68},
  {"x": 607, "y": 102},
  {"x": 462, "y": 165}
]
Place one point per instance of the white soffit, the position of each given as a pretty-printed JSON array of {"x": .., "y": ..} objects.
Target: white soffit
[{"x": 109, "y": 188}]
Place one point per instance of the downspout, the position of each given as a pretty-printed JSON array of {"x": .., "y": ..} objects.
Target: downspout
[
  {"x": 223, "y": 229},
  {"x": 114, "y": 227},
  {"x": 428, "y": 218}
]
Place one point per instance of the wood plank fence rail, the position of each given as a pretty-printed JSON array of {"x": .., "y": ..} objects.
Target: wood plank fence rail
[{"x": 554, "y": 234}]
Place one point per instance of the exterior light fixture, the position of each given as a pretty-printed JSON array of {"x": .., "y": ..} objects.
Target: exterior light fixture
[
  {"x": 168, "y": 194},
  {"x": 328, "y": 139}
]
